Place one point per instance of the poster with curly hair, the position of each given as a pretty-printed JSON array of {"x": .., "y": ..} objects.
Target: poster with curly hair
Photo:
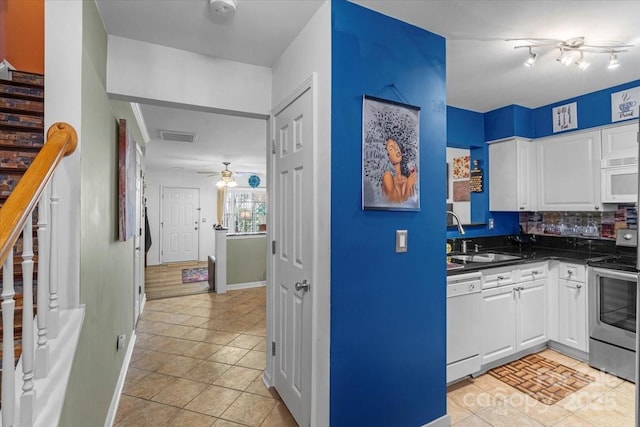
[{"x": 390, "y": 155}]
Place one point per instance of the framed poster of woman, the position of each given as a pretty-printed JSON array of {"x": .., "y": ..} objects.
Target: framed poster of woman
[{"x": 390, "y": 155}]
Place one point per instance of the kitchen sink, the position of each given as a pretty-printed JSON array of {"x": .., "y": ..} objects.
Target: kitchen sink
[{"x": 485, "y": 257}]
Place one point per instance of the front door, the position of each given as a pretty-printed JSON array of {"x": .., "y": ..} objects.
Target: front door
[
  {"x": 293, "y": 196},
  {"x": 180, "y": 208}
]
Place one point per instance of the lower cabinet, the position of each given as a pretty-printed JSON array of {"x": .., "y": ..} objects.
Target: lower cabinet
[
  {"x": 514, "y": 318},
  {"x": 572, "y": 307}
]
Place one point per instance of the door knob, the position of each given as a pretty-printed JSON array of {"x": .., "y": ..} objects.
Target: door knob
[{"x": 302, "y": 286}]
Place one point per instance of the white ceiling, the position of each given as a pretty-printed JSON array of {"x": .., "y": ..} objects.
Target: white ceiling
[{"x": 484, "y": 71}]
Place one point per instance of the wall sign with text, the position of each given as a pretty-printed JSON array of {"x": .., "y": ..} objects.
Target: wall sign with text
[{"x": 624, "y": 104}]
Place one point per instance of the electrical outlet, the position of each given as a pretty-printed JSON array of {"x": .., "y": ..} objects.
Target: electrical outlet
[
  {"x": 490, "y": 223},
  {"x": 122, "y": 339}
]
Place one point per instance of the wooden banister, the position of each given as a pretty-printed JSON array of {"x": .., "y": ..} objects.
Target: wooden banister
[{"x": 61, "y": 141}]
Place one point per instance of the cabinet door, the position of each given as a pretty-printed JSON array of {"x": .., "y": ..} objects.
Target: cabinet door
[
  {"x": 569, "y": 172},
  {"x": 532, "y": 312},
  {"x": 619, "y": 142},
  {"x": 512, "y": 175},
  {"x": 499, "y": 323},
  {"x": 572, "y": 319}
]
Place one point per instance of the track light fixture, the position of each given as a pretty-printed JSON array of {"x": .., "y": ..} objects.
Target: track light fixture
[
  {"x": 531, "y": 60},
  {"x": 567, "y": 47}
]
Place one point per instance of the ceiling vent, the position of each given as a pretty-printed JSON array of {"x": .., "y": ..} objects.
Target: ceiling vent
[{"x": 175, "y": 136}]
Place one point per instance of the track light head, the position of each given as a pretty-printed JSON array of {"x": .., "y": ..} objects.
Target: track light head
[
  {"x": 581, "y": 63},
  {"x": 613, "y": 61},
  {"x": 531, "y": 60}
]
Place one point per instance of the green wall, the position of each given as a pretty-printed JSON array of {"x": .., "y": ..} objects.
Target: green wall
[
  {"x": 246, "y": 260},
  {"x": 106, "y": 265}
]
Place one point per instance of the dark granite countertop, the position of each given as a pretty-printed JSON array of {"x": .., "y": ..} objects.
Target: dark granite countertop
[{"x": 526, "y": 256}]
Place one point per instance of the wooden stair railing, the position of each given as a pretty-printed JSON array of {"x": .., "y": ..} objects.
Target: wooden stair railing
[
  {"x": 17, "y": 222},
  {"x": 61, "y": 141}
]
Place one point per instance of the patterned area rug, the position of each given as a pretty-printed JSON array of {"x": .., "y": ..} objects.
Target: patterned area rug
[
  {"x": 543, "y": 379},
  {"x": 199, "y": 274}
]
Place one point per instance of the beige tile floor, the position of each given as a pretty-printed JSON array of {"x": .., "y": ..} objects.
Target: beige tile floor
[
  {"x": 487, "y": 401},
  {"x": 198, "y": 361}
]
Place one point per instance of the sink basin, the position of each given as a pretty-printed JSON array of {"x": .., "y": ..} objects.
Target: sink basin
[{"x": 485, "y": 257}]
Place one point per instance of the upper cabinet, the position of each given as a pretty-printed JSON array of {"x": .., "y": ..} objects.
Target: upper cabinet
[
  {"x": 512, "y": 169},
  {"x": 619, "y": 176},
  {"x": 619, "y": 143},
  {"x": 568, "y": 172}
]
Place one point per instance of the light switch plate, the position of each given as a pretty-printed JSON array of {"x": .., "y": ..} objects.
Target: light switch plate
[{"x": 401, "y": 240}]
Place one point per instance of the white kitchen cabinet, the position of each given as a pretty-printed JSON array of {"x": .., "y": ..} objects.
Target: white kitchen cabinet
[
  {"x": 619, "y": 173},
  {"x": 531, "y": 311},
  {"x": 514, "y": 315},
  {"x": 572, "y": 306},
  {"x": 568, "y": 172},
  {"x": 499, "y": 323},
  {"x": 619, "y": 142},
  {"x": 512, "y": 169}
]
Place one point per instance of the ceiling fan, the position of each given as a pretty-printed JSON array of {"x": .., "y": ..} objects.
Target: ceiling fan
[{"x": 226, "y": 176}]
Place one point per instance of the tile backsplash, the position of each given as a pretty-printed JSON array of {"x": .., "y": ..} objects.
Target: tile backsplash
[{"x": 602, "y": 225}]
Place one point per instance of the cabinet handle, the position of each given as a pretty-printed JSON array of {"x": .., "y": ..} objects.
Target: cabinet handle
[
  {"x": 569, "y": 273},
  {"x": 578, "y": 286},
  {"x": 521, "y": 208},
  {"x": 535, "y": 272},
  {"x": 597, "y": 207},
  {"x": 500, "y": 277}
]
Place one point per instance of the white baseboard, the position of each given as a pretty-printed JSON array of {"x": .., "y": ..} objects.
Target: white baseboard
[
  {"x": 247, "y": 285},
  {"x": 443, "y": 421},
  {"x": 144, "y": 301},
  {"x": 266, "y": 379},
  {"x": 115, "y": 400}
]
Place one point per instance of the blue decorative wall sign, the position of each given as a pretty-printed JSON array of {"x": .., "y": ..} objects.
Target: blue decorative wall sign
[{"x": 254, "y": 181}]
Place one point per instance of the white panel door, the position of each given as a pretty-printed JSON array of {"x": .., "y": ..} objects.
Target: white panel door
[
  {"x": 180, "y": 207},
  {"x": 292, "y": 164}
]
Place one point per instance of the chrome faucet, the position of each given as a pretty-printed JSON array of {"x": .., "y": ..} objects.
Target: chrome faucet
[{"x": 460, "y": 229}]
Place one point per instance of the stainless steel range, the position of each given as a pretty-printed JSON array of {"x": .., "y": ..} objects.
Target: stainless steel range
[{"x": 612, "y": 295}]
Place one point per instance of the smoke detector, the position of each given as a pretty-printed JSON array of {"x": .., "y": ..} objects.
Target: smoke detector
[{"x": 223, "y": 7}]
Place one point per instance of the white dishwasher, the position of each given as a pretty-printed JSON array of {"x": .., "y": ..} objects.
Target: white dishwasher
[{"x": 464, "y": 320}]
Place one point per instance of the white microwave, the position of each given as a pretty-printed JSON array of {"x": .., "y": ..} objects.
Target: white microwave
[{"x": 619, "y": 180}]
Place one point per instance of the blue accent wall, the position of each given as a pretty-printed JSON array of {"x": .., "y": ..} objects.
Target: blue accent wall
[
  {"x": 594, "y": 109},
  {"x": 388, "y": 320},
  {"x": 466, "y": 129}
]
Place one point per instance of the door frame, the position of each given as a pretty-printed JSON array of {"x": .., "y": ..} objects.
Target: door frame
[
  {"x": 320, "y": 256},
  {"x": 139, "y": 239},
  {"x": 161, "y": 216}
]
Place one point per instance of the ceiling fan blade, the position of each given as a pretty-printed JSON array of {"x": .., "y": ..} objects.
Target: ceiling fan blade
[{"x": 208, "y": 173}]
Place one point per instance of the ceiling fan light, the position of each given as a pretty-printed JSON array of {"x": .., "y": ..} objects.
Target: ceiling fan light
[
  {"x": 220, "y": 184},
  {"x": 581, "y": 63},
  {"x": 232, "y": 184}
]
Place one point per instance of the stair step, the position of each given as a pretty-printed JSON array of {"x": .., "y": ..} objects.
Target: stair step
[
  {"x": 22, "y": 121},
  {"x": 26, "y": 77},
  {"x": 21, "y": 90},
  {"x": 18, "y": 160},
  {"x": 21, "y": 139},
  {"x": 8, "y": 182},
  {"x": 21, "y": 105}
]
